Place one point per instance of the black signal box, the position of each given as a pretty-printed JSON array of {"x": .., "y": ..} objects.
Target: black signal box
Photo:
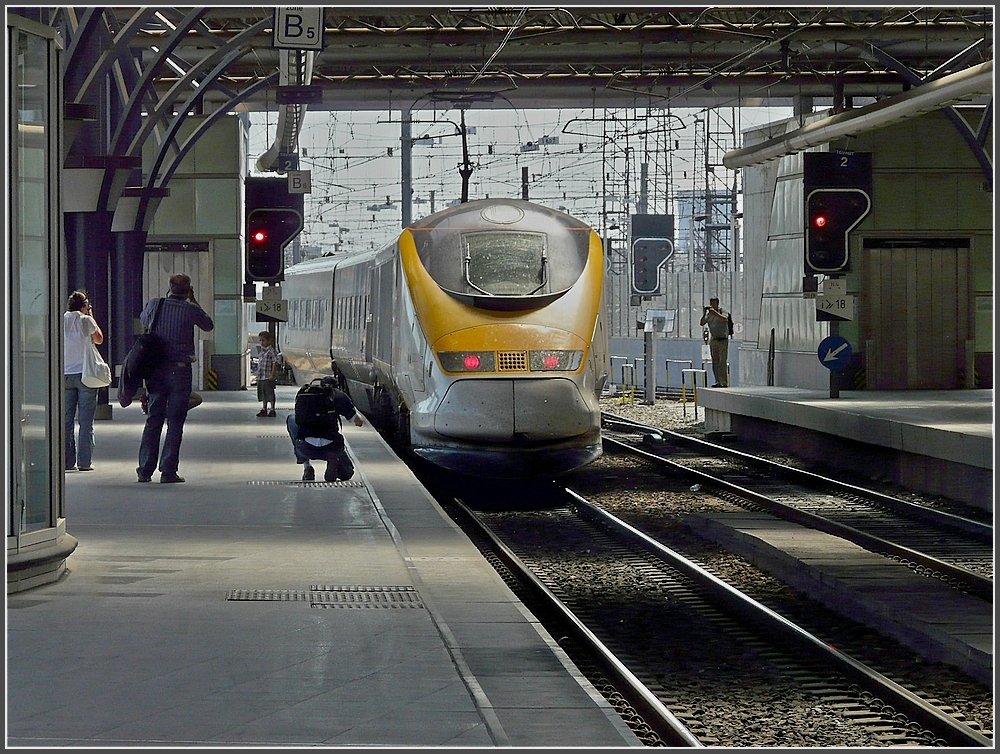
[
  {"x": 651, "y": 245},
  {"x": 273, "y": 217},
  {"x": 837, "y": 196}
]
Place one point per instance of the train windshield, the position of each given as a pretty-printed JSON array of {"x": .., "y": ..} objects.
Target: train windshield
[{"x": 506, "y": 264}]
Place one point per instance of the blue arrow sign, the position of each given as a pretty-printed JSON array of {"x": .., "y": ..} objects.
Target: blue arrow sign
[{"x": 834, "y": 352}]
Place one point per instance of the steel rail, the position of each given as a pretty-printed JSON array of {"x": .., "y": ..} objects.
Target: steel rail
[
  {"x": 978, "y": 585},
  {"x": 663, "y": 722},
  {"x": 977, "y": 529},
  {"x": 905, "y": 701}
]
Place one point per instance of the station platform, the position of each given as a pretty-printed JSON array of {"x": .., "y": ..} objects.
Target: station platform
[
  {"x": 247, "y": 608},
  {"x": 939, "y": 442}
]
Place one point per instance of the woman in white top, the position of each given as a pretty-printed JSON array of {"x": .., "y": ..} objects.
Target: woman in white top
[{"x": 79, "y": 326}]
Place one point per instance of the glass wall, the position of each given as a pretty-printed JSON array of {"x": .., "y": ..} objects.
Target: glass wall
[
  {"x": 30, "y": 243},
  {"x": 32, "y": 274}
]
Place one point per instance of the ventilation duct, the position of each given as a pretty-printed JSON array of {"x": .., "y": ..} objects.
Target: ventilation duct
[
  {"x": 295, "y": 69},
  {"x": 935, "y": 95}
]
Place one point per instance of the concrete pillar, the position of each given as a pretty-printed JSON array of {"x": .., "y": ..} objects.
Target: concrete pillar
[
  {"x": 88, "y": 255},
  {"x": 126, "y": 290}
]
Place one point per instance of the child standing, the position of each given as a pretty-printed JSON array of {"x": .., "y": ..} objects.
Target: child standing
[{"x": 267, "y": 372}]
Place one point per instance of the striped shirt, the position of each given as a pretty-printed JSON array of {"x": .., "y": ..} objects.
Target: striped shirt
[{"x": 176, "y": 323}]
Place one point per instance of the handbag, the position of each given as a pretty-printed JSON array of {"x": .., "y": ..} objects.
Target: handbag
[
  {"x": 96, "y": 372},
  {"x": 147, "y": 352}
]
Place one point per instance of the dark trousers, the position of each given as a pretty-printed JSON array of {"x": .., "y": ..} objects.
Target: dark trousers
[
  {"x": 334, "y": 453},
  {"x": 169, "y": 391}
]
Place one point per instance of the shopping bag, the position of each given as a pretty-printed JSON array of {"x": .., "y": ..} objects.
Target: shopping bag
[{"x": 96, "y": 372}]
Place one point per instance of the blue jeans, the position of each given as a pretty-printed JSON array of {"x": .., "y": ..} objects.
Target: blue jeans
[
  {"x": 80, "y": 400},
  {"x": 169, "y": 390},
  {"x": 334, "y": 453}
]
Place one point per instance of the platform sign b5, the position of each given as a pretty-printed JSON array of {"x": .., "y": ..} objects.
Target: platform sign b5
[{"x": 298, "y": 28}]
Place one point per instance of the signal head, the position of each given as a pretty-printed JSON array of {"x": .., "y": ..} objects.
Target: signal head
[
  {"x": 269, "y": 230},
  {"x": 831, "y": 214}
]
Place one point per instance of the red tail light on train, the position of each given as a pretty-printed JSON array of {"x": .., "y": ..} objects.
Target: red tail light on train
[
  {"x": 468, "y": 361},
  {"x": 555, "y": 361}
]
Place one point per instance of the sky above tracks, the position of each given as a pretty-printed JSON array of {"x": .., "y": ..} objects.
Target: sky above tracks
[{"x": 354, "y": 161}]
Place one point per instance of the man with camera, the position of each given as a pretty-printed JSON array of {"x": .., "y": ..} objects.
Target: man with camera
[
  {"x": 717, "y": 320},
  {"x": 169, "y": 387}
]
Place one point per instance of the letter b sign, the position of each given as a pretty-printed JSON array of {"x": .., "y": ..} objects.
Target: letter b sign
[{"x": 298, "y": 28}]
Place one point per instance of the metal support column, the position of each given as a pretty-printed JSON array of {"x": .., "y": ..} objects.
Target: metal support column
[{"x": 649, "y": 349}]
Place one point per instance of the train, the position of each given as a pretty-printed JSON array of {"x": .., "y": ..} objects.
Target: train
[{"x": 475, "y": 340}]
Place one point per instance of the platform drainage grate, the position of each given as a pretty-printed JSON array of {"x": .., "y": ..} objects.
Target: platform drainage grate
[
  {"x": 323, "y": 595},
  {"x": 364, "y": 596},
  {"x": 267, "y": 595},
  {"x": 292, "y": 483}
]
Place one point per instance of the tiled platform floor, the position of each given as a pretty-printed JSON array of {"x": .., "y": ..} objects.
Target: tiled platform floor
[{"x": 139, "y": 644}]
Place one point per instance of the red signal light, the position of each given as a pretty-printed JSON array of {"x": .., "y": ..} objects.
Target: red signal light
[
  {"x": 820, "y": 221},
  {"x": 471, "y": 361},
  {"x": 259, "y": 236}
]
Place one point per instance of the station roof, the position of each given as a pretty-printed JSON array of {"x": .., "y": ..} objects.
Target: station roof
[{"x": 390, "y": 57}]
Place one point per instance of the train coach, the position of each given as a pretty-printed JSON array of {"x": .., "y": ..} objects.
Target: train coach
[{"x": 475, "y": 340}]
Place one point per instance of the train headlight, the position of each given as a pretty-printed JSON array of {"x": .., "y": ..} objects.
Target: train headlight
[
  {"x": 555, "y": 361},
  {"x": 468, "y": 361}
]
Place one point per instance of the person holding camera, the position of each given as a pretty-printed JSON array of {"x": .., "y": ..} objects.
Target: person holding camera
[
  {"x": 169, "y": 387},
  {"x": 320, "y": 438},
  {"x": 79, "y": 329},
  {"x": 717, "y": 320}
]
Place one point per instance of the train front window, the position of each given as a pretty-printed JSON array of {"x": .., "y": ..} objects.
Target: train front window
[{"x": 506, "y": 264}]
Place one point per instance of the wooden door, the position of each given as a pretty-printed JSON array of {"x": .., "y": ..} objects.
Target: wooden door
[{"x": 916, "y": 316}]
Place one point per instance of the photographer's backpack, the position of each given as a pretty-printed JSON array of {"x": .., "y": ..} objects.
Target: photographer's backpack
[{"x": 314, "y": 410}]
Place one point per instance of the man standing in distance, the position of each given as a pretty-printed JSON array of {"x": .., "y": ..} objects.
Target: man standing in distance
[
  {"x": 169, "y": 387},
  {"x": 717, "y": 321}
]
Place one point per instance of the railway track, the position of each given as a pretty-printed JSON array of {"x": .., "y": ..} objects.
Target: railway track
[
  {"x": 727, "y": 670},
  {"x": 932, "y": 542}
]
